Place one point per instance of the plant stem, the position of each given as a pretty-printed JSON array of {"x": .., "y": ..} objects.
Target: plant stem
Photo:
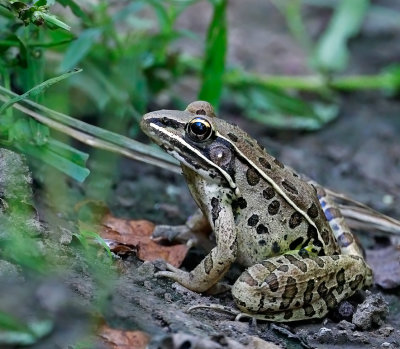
[{"x": 314, "y": 82}]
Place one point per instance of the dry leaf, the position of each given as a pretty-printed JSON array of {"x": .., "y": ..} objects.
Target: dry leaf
[
  {"x": 124, "y": 236},
  {"x": 119, "y": 339}
]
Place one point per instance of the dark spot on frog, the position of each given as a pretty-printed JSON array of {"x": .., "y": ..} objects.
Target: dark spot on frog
[
  {"x": 308, "y": 294},
  {"x": 252, "y": 176},
  {"x": 295, "y": 174},
  {"x": 277, "y": 162},
  {"x": 297, "y": 262},
  {"x": 285, "y": 237},
  {"x": 331, "y": 301},
  {"x": 262, "y": 242},
  {"x": 261, "y": 303},
  {"x": 290, "y": 187},
  {"x": 319, "y": 261},
  {"x": 340, "y": 279},
  {"x": 170, "y": 123},
  {"x": 253, "y": 220},
  {"x": 296, "y": 243},
  {"x": 239, "y": 203},
  {"x": 269, "y": 193},
  {"x": 312, "y": 232},
  {"x": 289, "y": 293},
  {"x": 325, "y": 236},
  {"x": 335, "y": 257},
  {"x": 295, "y": 220},
  {"x": 313, "y": 211},
  {"x": 233, "y": 137},
  {"x": 264, "y": 163},
  {"x": 309, "y": 310},
  {"x": 248, "y": 279},
  {"x": 283, "y": 268},
  {"x": 166, "y": 148},
  {"x": 262, "y": 229},
  {"x": 273, "y": 207},
  {"x": 288, "y": 314},
  {"x": 318, "y": 243},
  {"x": 270, "y": 266},
  {"x": 345, "y": 239},
  {"x": 322, "y": 289},
  {"x": 249, "y": 142},
  {"x": 358, "y": 258},
  {"x": 275, "y": 247},
  {"x": 272, "y": 281},
  {"x": 215, "y": 209},
  {"x": 356, "y": 282}
]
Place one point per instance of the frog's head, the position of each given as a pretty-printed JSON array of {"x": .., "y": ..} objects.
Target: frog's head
[{"x": 194, "y": 138}]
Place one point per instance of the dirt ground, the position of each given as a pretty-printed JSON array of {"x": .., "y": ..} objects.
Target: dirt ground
[{"x": 357, "y": 154}]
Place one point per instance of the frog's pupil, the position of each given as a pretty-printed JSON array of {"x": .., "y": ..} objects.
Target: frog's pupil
[{"x": 199, "y": 128}]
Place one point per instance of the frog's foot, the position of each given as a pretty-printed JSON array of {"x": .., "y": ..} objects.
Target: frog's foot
[
  {"x": 176, "y": 274},
  {"x": 178, "y": 233}
]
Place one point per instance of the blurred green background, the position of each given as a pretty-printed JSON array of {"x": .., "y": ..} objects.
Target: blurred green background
[{"x": 141, "y": 55}]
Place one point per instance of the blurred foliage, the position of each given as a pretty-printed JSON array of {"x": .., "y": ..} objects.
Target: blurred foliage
[{"x": 129, "y": 59}]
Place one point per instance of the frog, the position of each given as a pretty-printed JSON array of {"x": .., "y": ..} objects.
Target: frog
[{"x": 298, "y": 255}]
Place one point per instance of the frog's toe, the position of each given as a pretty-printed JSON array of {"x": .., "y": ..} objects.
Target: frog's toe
[{"x": 166, "y": 232}]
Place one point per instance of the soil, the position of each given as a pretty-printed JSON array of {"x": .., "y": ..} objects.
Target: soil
[{"x": 357, "y": 154}]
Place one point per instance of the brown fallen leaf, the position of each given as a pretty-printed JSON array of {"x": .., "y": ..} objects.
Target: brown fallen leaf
[
  {"x": 124, "y": 236},
  {"x": 119, "y": 339}
]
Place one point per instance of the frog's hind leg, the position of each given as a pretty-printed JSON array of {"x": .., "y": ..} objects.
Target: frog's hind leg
[{"x": 290, "y": 287}]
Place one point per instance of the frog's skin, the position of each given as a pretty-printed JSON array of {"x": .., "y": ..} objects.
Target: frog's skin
[{"x": 301, "y": 257}]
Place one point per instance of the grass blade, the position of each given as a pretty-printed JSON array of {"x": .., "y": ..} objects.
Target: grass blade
[
  {"x": 214, "y": 60},
  {"x": 37, "y": 89},
  {"x": 332, "y": 53}
]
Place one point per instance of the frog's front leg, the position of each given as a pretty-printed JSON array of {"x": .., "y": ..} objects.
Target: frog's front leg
[
  {"x": 213, "y": 267},
  {"x": 290, "y": 287},
  {"x": 195, "y": 232}
]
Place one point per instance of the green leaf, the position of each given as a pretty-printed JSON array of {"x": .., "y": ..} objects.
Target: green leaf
[
  {"x": 53, "y": 20},
  {"x": 215, "y": 52},
  {"x": 71, "y": 161},
  {"x": 276, "y": 109},
  {"x": 162, "y": 15},
  {"x": 75, "y": 8},
  {"x": 332, "y": 53},
  {"x": 38, "y": 89},
  {"x": 40, "y": 3},
  {"x": 80, "y": 48}
]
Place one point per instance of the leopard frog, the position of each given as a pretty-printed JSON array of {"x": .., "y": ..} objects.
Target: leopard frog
[{"x": 300, "y": 255}]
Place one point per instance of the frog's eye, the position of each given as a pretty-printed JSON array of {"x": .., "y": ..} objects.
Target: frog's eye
[{"x": 199, "y": 129}]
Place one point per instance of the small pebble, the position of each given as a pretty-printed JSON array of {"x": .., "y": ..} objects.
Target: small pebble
[
  {"x": 147, "y": 284},
  {"x": 168, "y": 297},
  {"x": 386, "y": 331}
]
